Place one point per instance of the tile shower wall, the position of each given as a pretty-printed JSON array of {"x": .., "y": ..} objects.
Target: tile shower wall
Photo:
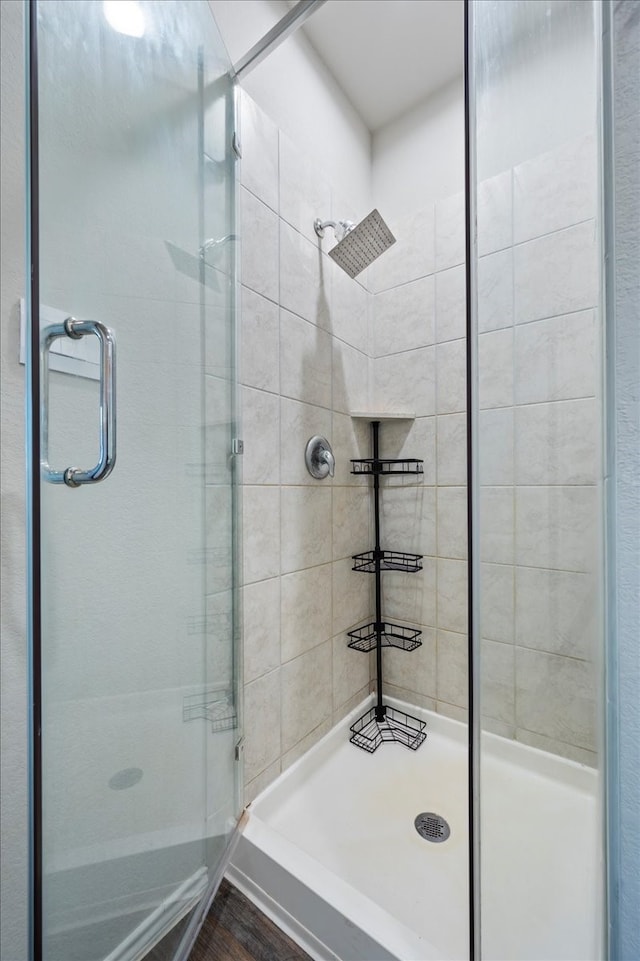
[
  {"x": 304, "y": 365},
  {"x": 540, "y": 433},
  {"x": 539, "y": 440},
  {"x": 419, "y": 365}
]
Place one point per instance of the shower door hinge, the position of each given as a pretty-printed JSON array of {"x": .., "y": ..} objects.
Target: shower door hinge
[
  {"x": 237, "y": 446},
  {"x": 236, "y": 145},
  {"x": 239, "y": 748}
]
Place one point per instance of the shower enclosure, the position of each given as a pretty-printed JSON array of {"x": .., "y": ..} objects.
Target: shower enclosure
[
  {"x": 136, "y": 667},
  {"x": 481, "y": 325}
]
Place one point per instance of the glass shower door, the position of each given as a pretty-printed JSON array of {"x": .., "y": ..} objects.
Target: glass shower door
[{"x": 139, "y": 674}]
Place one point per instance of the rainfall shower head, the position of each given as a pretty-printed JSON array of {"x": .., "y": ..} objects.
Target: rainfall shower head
[{"x": 358, "y": 245}]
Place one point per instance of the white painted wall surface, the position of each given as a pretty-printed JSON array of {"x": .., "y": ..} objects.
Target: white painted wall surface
[
  {"x": 419, "y": 158},
  {"x": 296, "y": 90}
]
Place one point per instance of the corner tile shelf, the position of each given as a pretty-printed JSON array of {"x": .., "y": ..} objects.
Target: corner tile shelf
[{"x": 383, "y": 723}]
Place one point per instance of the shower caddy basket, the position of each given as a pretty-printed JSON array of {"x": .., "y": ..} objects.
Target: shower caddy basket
[{"x": 383, "y": 722}]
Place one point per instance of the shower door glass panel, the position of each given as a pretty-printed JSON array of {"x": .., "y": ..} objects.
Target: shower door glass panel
[
  {"x": 140, "y": 716},
  {"x": 540, "y": 476}
]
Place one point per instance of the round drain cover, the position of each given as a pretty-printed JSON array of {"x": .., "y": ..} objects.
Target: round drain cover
[{"x": 432, "y": 827}]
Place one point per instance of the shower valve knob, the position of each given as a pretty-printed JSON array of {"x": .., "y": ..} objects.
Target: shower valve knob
[{"x": 319, "y": 457}]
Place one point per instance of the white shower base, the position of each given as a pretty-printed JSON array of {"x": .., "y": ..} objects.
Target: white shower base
[{"x": 331, "y": 853}]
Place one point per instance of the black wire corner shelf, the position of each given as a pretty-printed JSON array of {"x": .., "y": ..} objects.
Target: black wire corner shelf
[
  {"x": 383, "y": 723},
  {"x": 402, "y": 465},
  {"x": 370, "y": 562},
  {"x": 370, "y": 730},
  {"x": 365, "y": 638}
]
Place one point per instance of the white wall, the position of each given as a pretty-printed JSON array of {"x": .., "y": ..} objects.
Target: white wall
[
  {"x": 295, "y": 89},
  {"x": 419, "y": 158},
  {"x": 13, "y": 681}
]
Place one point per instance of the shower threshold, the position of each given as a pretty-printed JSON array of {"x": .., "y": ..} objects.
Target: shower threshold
[{"x": 332, "y": 855}]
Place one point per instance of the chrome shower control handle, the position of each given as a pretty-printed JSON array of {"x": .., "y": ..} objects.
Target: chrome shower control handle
[
  {"x": 319, "y": 458},
  {"x": 76, "y": 476}
]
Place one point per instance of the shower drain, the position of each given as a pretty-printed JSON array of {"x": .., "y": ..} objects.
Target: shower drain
[{"x": 432, "y": 827}]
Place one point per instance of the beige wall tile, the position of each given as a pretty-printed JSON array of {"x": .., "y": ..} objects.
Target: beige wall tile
[
  {"x": 404, "y": 317},
  {"x": 497, "y": 602},
  {"x": 305, "y": 527},
  {"x": 299, "y": 422},
  {"x": 259, "y": 226},
  {"x": 407, "y": 380},
  {"x": 350, "y": 671},
  {"x": 261, "y": 532},
  {"x": 556, "y": 274},
  {"x": 497, "y": 524},
  {"x": 451, "y": 377},
  {"x": 305, "y": 361},
  {"x": 557, "y": 527},
  {"x": 452, "y": 595},
  {"x": 261, "y": 628},
  {"x": 307, "y": 742},
  {"x": 408, "y": 520},
  {"x": 450, "y": 304},
  {"x": 305, "y": 610},
  {"x": 495, "y": 205},
  {"x": 306, "y": 694},
  {"x": 352, "y": 596},
  {"x": 304, "y": 192},
  {"x": 451, "y": 450},
  {"x": 262, "y": 724},
  {"x": 556, "y": 189},
  {"x": 450, "y": 232},
  {"x": 495, "y": 458},
  {"x": 452, "y": 522},
  {"x": 497, "y": 676},
  {"x": 259, "y": 152},
  {"x": 260, "y": 354},
  {"x": 495, "y": 291},
  {"x": 350, "y": 439},
  {"x": 351, "y": 380},
  {"x": 304, "y": 285},
  {"x": 411, "y": 597},
  {"x": 495, "y": 369},
  {"x": 413, "y": 254},
  {"x": 413, "y": 671},
  {"x": 557, "y": 611},
  {"x": 556, "y": 697},
  {"x": 452, "y": 669},
  {"x": 351, "y": 306},
  {"x": 350, "y": 521},
  {"x": 556, "y": 359},
  {"x": 261, "y": 435},
  {"x": 558, "y": 443}
]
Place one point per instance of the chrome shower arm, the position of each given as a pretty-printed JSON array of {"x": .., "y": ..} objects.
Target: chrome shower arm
[{"x": 340, "y": 227}]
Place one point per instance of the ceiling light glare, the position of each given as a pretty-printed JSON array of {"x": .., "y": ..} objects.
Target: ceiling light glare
[{"x": 125, "y": 16}]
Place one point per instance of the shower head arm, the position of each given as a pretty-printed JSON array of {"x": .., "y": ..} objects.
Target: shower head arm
[{"x": 340, "y": 227}]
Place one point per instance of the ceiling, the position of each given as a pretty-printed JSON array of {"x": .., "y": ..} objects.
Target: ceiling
[{"x": 388, "y": 55}]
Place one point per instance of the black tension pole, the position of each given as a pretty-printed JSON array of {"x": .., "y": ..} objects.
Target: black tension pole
[{"x": 375, "y": 428}]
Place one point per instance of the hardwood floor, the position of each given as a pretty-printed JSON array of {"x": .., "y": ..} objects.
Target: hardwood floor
[{"x": 235, "y": 930}]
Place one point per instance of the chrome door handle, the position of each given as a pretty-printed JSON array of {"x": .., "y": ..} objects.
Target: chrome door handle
[{"x": 76, "y": 476}]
